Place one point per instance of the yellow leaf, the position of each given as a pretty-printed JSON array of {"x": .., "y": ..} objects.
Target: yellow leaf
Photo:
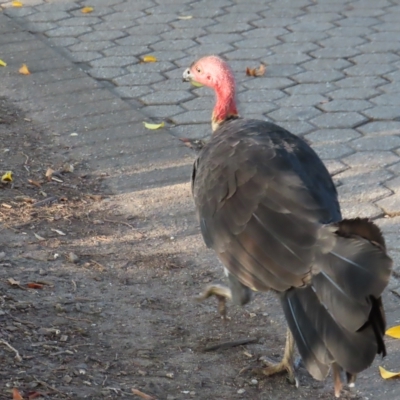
[
  {"x": 24, "y": 70},
  {"x": 153, "y": 126},
  {"x": 387, "y": 374},
  {"x": 87, "y": 10},
  {"x": 7, "y": 177},
  {"x": 196, "y": 84},
  {"x": 16, "y": 4},
  {"x": 3, "y": 64},
  {"x": 394, "y": 332},
  {"x": 149, "y": 59},
  {"x": 185, "y": 17}
]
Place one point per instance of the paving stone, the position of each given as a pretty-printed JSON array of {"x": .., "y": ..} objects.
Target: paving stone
[
  {"x": 390, "y": 87},
  {"x": 363, "y": 177},
  {"x": 338, "y": 120},
  {"x": 387, "y": 99},
  {"x": 390, "y": 205},
  {"x": 380, "y": 128},
  {"x": 282, "y": 48},
  {"x": 286, "y": 58},
  {"x": 261, "y": 95},
  {"x": 384, "y": 142},
  {"x": 362, "y": 193},
  {"x": 41, "y": 27},
  {"x": 311, "y": 26},
  {"x": 193, "y": 117},
  {"x": 102, "y": 35},
  {"x": 159, "y": 97},
  {"x": 361, "y": 210},
  {"x": 284, "y": 70},
  {"x": 86, "y": 56},
  {"x": 269, "y": 83},
  {"x": 375, "y": 58},
  {"x": 133, "y": 92},
  {"x": 63, "y": 41},
  {"x": 354, "y": 93},
  {"x": 301, "y": 100},
  {"x": 204, "y": 49},
  {"x": 368, "y": 69},
  {"x": 162, "y": 111},
  {"x": 346, "y": 105},
  {"x": 383, "y": 112},
  {"x": 324, "y": 63},
  {"x": 344, "y": 31},
  {"x": 378, "y": 47},
  {"x": 52, "y": 16},
  {"x": 371, "y": 159},
  {"x": 114, "y": 61},
  {"x": 256, "y": 43},
  {"x": 332, "y": 136},
  {"x": 260, "y": 108},
  {"x": 187, "y": 33},
  {"x": 311, "y": 88},
  {"x": 111, "y": 73},
  {"x": 138, "y": 79},
  {"x": 296, "y": 37},
  {"x": 361, "y": 81},
  {"x": 334, "y": 167},
  {"x": 87, "y": 21},
  {"x": 332, "y": 151},
  {"x": 64, "y": 31},
  {"x": 358, "y": 21},
  {"x": 199, "y": 103},
  {"x": 338, "y": 52},
  {"x": 294, "y": 113},
  {"x": 318, "y": 76},
  {"x": 27, "y": 45},
  {"x": 337, "y": 42}
]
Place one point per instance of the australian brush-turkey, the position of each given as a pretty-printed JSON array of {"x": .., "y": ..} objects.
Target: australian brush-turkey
[{"x": 268, "y": 207}]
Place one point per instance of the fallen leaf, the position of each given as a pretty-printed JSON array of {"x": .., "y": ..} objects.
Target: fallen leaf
[
  {"x": 7, "y": 177},
  {"x": 13, "y": 282},
  {"x": 38, "y": 236},
  {"x": 260, "y": 71},
  {"x": 24, "y": 70},
  {"x": 153, "y": 126},
  {"x": 59, "y": 232},
  {"x": 149, "y": 59},
  {"x": 394, "y": 332},
  {"x": 34, "y": 183},
  {"x": 87, "y": 10},
  {"x": 33, "y": 285},
  {"x": 185, "y": 17},
  {"x": 385, "y": 374},
  {"x": 73, "y": 134},
  {"x": 49, "y": 173},
  {"x": 196, "y": 84},
  {"x": 16, "y": 394},
  {"x": 142, "y": 395},
  {"x": 3, "y": 64},
  {"x": 16, "y": 4}
]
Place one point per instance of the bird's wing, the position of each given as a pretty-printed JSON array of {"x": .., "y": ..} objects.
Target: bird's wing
[{"x": 255, "y": 208}]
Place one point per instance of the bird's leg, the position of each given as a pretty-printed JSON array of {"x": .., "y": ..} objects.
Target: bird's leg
[
  {"x": 337, "y": 381},
  {"x": 287, "y": 363},
  {"x": 351, "y": 379},
  {"x": 222, "y": 293}
]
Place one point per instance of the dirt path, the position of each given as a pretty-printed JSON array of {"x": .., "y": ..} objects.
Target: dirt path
[{"x": 97, "y": 293}]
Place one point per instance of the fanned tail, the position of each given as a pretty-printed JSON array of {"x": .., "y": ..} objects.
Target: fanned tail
[{"x": 339, "y": 318}]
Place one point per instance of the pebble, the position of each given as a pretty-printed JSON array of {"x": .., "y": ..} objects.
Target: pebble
[
  {"x": 254, "y": 382},
  {"x": 241, "y": 391},
  {"x": 73, "y": 257}
]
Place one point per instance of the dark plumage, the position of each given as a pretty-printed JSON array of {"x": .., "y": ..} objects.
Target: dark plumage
[{"x": 268, "y": 207}]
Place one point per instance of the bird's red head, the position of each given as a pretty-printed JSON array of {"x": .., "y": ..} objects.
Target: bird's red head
[{"x": 214, "y": 72}]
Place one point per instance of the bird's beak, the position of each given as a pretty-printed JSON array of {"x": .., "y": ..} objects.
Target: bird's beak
[{"x": 187, "y": 76}]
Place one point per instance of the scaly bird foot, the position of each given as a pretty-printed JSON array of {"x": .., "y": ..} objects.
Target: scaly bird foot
[{"x": 222, "y": 293}]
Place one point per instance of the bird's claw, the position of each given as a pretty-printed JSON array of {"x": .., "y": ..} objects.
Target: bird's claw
[
  {"x": 278, "y": 368},
  {"x": 222, "y": 293}
]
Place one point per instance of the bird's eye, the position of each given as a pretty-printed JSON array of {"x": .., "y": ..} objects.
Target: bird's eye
[{"x": 198, "y": 69}]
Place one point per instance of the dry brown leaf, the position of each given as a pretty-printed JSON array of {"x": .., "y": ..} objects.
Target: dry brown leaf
[
  {"x": 35, "y": 183},
  {"x": 49, "y": 173},
  {"x": 385, "y": 374},
  {"x": 13, "y": 282},
  {"x": 16, "y": 394},
  {"x": 24, "y": 70},
  {"x": 87, "y": 10},
  {"x": 394, "y": 332},
  {"x": 260, "y": 71},
  {"x": 143, "y": 395},
  {"x": 34, "y": 285}
]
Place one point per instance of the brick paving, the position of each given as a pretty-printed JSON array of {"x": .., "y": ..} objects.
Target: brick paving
[{"x": 333, "y": 73}]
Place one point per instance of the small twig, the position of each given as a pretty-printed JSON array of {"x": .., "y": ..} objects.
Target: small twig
[
  {"x": 48, "y": 200},
  {"x": 142, "y": 395},
  {"x": 47, "y": 385},
  {"x": 228, "y": 345},
  {"x": 98, "y": 264},
  {"x": 79, "y": 319},
  {"x": 104, "y": 381},
  {"x": 74, "y": 284},
  {"x": 119, "y": 222},
  {"x": 27, "y": 158},
  {"x": 17, "y": 355}
]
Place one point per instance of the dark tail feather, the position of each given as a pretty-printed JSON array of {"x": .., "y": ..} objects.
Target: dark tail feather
[{"x": 339, "y": 317}]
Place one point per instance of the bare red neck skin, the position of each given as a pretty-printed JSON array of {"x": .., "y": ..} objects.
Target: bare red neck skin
[{"x": 225, "y": 106}]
